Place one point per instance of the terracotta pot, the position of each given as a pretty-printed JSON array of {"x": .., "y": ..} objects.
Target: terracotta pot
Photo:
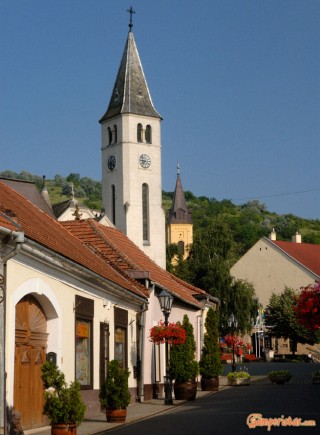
[
  {"x": 116, "y": 415},
  {"x": 210, "y": 384},
  {"x": 63, "y": 429},
  {"x": 185, "y": 390}
]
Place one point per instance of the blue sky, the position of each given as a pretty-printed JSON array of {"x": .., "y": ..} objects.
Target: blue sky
[{"x": 236, "y": 81}]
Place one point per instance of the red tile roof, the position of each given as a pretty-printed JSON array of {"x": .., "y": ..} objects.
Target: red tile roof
[
  {"x": 112, "y": 245},
  {"x": 7, "y": 222},
  {"x": 41, "y": 228},
  {"x": 305, "y": 253}
]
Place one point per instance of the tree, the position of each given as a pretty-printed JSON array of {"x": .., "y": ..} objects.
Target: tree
[
  {"x": 209, "y": 269},
  {"x": 280, "y": 316},
  {"x": 243, "y": 303}
]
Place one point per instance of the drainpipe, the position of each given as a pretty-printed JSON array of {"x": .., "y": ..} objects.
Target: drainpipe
[
  {"x": 18, "y": 239},
  {"x": 142, "y": 338}
]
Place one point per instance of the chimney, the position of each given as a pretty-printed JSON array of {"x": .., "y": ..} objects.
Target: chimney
[
  {"x": 273, "y": 235},
  {"x": 296, "y": 238}
]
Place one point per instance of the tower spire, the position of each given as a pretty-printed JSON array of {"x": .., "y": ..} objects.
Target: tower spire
[{"x": 131, "y": 12}]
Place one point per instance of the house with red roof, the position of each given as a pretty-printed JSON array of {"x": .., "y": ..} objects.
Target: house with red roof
[
  {"x": 271, "y": 265},
  {"x": 81, "y": 293}
]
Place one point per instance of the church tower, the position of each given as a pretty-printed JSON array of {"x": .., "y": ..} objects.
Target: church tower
[
  {"x": 179, "y": 222},
  {"x": 131, "y": 158}
]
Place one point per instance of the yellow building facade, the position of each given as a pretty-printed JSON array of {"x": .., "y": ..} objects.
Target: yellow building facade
[{"x": 179, "y": 222}]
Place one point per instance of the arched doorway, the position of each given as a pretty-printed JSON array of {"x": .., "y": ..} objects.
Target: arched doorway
[{"x": 30, "y": 352}]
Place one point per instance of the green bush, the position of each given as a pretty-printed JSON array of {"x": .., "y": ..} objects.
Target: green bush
[
  {"x": 62, "y": 404},
  {"x": 183, "y": 366},
  {"x": 210, "y": 362},
  {"x": 115, "y": 392}
]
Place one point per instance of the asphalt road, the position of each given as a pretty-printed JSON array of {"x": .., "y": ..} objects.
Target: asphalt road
[{"x": 227, "y": 412}]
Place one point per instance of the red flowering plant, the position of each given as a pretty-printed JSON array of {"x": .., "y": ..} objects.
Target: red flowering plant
[
  {"x": 173, "y": 333},
  {"x": 233, "y": 340},
  {"x": 239, "y": 345},
  {"x": 307, "y": 309}
]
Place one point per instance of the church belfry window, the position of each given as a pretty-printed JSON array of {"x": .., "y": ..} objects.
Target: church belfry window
[
  {"x": 181, "y": 247},
  {"x": 113, "y": 204},
  {"x": 139, "y": 133},
  {"x": 148, "y": 134},
  {"x": 145, "y": 214},
  {"x": 109, "y": 136},
  {"x": 115, "y": 134}
]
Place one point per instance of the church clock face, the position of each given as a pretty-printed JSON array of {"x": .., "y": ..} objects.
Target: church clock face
[
  {"x": 144, "y": 161},
  {"x": 111, "y": 163}
]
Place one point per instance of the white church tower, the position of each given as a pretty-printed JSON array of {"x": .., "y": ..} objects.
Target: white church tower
[{"x": 131, "y": 158}]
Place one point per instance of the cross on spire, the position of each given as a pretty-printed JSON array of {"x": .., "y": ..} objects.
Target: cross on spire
[{"x": 131, "y": 12}]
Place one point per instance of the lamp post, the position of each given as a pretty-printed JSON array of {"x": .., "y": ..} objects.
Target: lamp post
[
  {"x": 233, "y": 324},
  {"x": 166, "y": 300}
]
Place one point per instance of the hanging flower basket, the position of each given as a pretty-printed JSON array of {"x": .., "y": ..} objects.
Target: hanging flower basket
[{"x": 174, "y": 333}]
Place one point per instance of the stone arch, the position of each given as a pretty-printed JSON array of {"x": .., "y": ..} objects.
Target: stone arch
[{"x": 44, "y": 295}]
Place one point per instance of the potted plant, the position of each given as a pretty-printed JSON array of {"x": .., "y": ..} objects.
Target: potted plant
[
  {"x": 279, "y": 376},
  {"x": 316, "y": 377},
  {"x": 114, "y": 393},
  {"x": 63, "y": 404},
  {"x": 210, "y": 362},
  {"x": 241, "y": 377},
  {"x": 183, "y": 366}
]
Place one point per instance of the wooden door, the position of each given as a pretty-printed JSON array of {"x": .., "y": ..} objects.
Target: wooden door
[{"x": 30, "y": 353}]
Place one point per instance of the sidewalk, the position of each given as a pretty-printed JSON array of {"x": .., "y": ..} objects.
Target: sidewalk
[{"x": 135, "y": 412}]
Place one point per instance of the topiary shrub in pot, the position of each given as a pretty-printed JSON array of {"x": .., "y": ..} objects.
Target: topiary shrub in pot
[
  {"x": 183, "y": 366},
  {"x": 114, "y": 393},
  {"x": 210, "y": 362},
  {"x": 63, "y": 404}
]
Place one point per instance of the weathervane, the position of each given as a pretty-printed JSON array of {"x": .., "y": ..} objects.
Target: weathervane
[{"x": 131, "y": 12}]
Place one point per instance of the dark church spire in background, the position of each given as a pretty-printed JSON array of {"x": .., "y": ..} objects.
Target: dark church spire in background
[{"x": 179, "y": 213}]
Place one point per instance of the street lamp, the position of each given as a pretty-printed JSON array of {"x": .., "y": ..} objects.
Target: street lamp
[
  {"x": 233, "y": 324},
  {"x": 166, "y": 300}
]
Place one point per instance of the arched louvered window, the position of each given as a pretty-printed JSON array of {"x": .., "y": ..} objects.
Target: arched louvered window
[
  {"x": 109, "y": 136},
  {"x": 115, "y": 134},
  {"x": 148, "y": 134},
  {"x": 145, "y": 214},
  {"x": 113, "y": 204},
  {"x": 139, "y": 132}
]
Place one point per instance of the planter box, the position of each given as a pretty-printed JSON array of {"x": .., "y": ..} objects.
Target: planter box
[
  {"x": 279, "y": 379},
  {"x": 239, "y": 381}
]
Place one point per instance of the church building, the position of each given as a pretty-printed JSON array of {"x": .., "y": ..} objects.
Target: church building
[
  {"x": 131, "y": 158},
  {"x": 179, "y": 222}
]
